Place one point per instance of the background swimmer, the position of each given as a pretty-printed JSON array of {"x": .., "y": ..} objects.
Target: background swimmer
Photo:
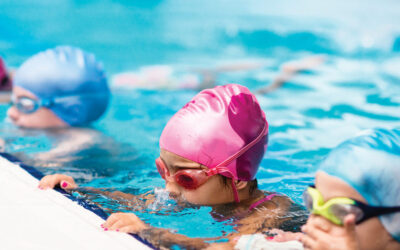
[
  {"x": 59, "y": 87},
  {"x": 167, "y": 77},
  {"x": 203, "y": 166},
  {"x": 60, "y": 91}
]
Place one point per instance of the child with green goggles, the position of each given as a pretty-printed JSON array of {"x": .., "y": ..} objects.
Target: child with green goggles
[
  {"x": 336, "y": 209},
  {"x": 356, "y": 201}
]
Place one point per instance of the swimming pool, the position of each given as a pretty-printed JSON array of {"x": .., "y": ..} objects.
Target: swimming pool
[{"x": 356, "y": 88}]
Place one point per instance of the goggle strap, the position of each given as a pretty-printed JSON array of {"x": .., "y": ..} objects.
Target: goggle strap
[
  {"x": 235, "y": 192},
  {"x": 373, "y": 211},
  {"x": 244, "y": 149}
]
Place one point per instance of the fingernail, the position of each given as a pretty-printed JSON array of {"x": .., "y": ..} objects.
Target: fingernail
[
  {"x": 64, "y": 184},
  {"x": 117, "y": 230},
  {"x": 105, "y": 229},
  {"x": 270, "y": 237},
  {"x": 102, "y": 225},
  {"x": 303, "y": 228}
]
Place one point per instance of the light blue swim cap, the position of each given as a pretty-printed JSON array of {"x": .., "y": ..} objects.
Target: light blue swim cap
[
  {"x": 67, "y": 72},
  {"x": 370, "y": 163}
]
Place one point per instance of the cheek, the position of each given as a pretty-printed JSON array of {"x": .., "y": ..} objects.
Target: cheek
[
  {"x": 44, "y": 118},
  {"x": 210, "y": 193},
  {"x": 375, "y": 228},
  {"x": 30, "y": 120}
]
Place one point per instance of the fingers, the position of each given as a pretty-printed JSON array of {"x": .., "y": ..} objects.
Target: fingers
[
  {"x": 124, "y": 222},
  {"x": 319, "y": 222},
  {"x": 111, "y": 220},
  {"x": 50, "y": 181},
  {"x": 308, "y": 242},
  {"x": 349, "y": 224},
  {"x": 68, "y": 184},
  {"x": 313, "y": 232}
]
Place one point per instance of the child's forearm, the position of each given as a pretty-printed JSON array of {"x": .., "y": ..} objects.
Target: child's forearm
[{"x": 162, "y": 238}]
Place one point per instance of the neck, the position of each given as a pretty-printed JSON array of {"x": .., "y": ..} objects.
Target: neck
[{"x": 245, "y": 195}]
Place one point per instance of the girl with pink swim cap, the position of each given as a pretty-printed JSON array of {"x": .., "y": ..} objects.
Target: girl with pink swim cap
[{"x": 210, "y": 151}]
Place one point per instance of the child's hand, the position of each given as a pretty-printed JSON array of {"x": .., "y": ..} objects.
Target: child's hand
[
  {"x": 50, "y": 181},
  {"x": 322, "y": 234},
  {"x": 124, "y": 222}
]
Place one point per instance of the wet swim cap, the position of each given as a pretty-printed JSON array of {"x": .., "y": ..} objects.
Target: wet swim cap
[
  {"x": 67, "y": 71},
  {"x": 5, "y": 82},
  {"x": 370, "y": 164},
  {"x": 215, "y": 125}
]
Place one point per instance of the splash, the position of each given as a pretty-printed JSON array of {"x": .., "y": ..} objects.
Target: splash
[{"x": 161, "y": 200}]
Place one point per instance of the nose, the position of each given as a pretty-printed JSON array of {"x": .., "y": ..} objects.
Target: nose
[
  {"x": 172, "y": 187},
  {"x": 13, "y": 113}
]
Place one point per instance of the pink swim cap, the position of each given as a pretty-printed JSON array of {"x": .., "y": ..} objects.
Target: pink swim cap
[{"x": 222, "y": 128}]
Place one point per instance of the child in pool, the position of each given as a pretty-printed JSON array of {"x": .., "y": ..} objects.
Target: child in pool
[
  {"x": 59, "y": 87},
  {"x": 210, "y": 152},
  {"x": 355, "y": 203}
]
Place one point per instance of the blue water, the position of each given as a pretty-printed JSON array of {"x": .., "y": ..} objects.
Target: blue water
[{"x": 356, "y": 88}]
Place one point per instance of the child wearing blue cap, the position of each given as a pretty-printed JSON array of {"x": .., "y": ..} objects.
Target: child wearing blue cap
[
  {"x": 59, "y": 87},
  {"x": 355, "y": 203}
]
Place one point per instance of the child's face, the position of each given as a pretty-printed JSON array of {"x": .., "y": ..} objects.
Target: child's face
[
  {"x": 370, "y": 233},
  {"x": 41, "y": 118},
  {"x": 212, "y": 192}
]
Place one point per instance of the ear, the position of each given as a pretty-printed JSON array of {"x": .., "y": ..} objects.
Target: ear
[{"x": 241, "y": 184}]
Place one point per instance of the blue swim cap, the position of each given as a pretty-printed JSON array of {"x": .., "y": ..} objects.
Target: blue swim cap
[
  {"x": 67, "y": 72},
  {"x": 370, "y": 163}
]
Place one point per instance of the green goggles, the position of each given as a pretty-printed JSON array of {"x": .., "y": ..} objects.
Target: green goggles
[{"x": 337, "y": 209}]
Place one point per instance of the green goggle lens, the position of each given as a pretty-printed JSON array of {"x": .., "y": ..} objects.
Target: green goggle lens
[
  {"x": 335, "y": 209},
  {"x": 340, "y": 211}
]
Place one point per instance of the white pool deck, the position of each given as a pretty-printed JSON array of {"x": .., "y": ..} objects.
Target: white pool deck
[{"x": 31, "y": 218}]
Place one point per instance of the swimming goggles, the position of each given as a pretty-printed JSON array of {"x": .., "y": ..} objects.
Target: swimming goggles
[
  {"x": 29, "y": 105},
  {"x": 187, "y": 178},
  {"x": 337, "y": 209}
]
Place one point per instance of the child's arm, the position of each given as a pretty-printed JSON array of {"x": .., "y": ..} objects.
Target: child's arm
[
  {"x": 322, "y": 234},
  {"x": 67, "y": 183},
  {"x": 158, "y": 237},
  {"x": 289, "y": 70}
]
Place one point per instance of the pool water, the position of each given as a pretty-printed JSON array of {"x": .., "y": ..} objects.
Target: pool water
[{"x": 356, "y": 88}]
